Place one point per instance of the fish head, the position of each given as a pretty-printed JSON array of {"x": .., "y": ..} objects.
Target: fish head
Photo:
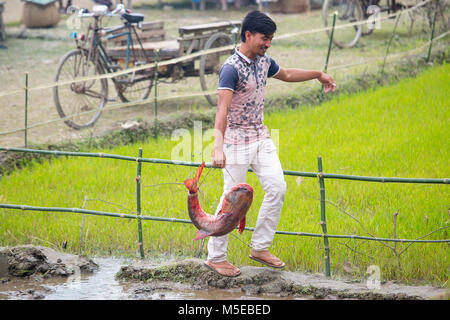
[
  {"x": 238, "y": 199},
  {"x": 192, "y": 184},
  {"x": 243, "y": 188}
]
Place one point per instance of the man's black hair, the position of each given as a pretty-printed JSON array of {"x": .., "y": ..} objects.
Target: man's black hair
[{"x": 256, "y": 21}]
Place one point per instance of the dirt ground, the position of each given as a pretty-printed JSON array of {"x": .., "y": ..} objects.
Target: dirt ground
[{"x": 37, "y": 52}]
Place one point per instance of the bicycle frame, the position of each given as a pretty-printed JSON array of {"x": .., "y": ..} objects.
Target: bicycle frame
[
  {"x": 130, "y": 28},
  {"x": 105, "y": 60},
  {"x": 391, "y": 6}
]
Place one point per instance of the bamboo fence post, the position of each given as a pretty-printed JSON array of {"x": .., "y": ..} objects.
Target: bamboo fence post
[
  {"x": 390, "y": 42},
  {"x": 156, "y": 91},
  {"x": 330, "y": 43},
  {"x": 432, "y": 31},
  {"x": 26, "y": 110},
  {"x": 323, "y": 217},
  {"x": 138, "y": 204}
]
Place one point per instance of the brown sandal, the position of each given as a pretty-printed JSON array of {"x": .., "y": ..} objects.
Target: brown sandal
[
  {"x": 269, "y": 263},
  {"x": 217, "y": 268}
]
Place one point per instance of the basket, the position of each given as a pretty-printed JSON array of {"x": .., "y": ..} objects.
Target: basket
[{"x": 38, "y": 15}]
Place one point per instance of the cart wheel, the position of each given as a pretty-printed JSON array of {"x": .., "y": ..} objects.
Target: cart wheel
[
  {"x": 349, "y": 11},
  {"x": 81, "y": 101},
  {"x": 132, "y": 91},
  {"x": 210, "y": 64}
]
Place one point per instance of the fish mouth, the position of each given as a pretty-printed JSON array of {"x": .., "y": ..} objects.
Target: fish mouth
[{"x": 243, "y": 187}]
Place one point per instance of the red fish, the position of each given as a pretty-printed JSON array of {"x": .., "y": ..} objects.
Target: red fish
[{"x": 234, "y": 208}]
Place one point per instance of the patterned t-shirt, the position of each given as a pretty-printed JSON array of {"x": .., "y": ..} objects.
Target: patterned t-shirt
[{"x": 247, "y": 79}]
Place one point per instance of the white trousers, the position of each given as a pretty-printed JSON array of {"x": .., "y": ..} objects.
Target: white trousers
[{"x": 262, "y": 157}]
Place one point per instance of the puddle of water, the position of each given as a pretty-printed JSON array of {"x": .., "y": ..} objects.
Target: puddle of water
[{"x": 102, "y": 285}]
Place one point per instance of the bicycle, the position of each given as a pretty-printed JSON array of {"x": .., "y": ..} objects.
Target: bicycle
[
  {"x": 83, "y": 101},
  {"x": 350, "y": 11}
]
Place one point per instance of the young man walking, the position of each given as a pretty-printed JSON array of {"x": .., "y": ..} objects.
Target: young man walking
[{"x": 241, "y": 139}]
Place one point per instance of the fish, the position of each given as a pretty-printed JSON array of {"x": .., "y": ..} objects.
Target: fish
[{"x": 234, "y": 208}]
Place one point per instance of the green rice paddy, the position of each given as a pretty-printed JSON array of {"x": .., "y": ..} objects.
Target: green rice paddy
[{"x": 397, "y": 131}]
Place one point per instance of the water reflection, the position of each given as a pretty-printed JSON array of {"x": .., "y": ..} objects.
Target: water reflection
[{"x": 101, "y": 285}]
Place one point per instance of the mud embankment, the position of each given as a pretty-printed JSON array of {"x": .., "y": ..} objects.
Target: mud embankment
[
  {"x": 33, "y": 264},
  {"x": 265, "y": 281},
  {"x": 29, "y": 260}
]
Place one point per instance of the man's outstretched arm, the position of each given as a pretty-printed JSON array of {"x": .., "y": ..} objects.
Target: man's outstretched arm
[{"x": 299, "y": 75}]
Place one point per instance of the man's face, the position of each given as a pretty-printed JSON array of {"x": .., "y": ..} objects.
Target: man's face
[{"x": 258, "y": 42}]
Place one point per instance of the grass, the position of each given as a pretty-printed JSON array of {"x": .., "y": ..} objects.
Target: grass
[{"x": 398, "y": 131}]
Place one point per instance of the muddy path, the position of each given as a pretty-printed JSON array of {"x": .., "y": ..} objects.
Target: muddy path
[
  {"x": 32, "y": 272},
  {"x": 263, "y": 281}
]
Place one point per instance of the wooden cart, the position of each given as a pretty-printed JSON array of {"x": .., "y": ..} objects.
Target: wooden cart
[{"x": 192, "y": 38}]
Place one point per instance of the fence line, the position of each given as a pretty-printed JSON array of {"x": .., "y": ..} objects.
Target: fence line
[
  {"x": 320, "y": 175},
  {"x": 196, "y": 164},
  {"x": 186, "y": 221},
  {"x": 204, "y": 93},
  {"x": 352, "y": 24},
  {"x": 391, "y": 56},
  {"x": 194, "y": 55},
  {"x": 114, "y": 107}
]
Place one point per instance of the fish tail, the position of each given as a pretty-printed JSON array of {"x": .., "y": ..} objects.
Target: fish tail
[
  {"x": 191, "y": 184},
  {"x": 201, "y": 234}
]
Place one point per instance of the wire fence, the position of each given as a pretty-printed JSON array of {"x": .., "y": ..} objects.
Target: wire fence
[
  {"x": 320, "y": 175},
  {"x": 191, "y": 57}
]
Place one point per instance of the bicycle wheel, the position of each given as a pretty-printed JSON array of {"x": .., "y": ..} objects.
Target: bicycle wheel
[
  {"x": 81, "y": 101},
  {"x": 348, "y": 11},
  {"x": 210, "y": 64}
]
